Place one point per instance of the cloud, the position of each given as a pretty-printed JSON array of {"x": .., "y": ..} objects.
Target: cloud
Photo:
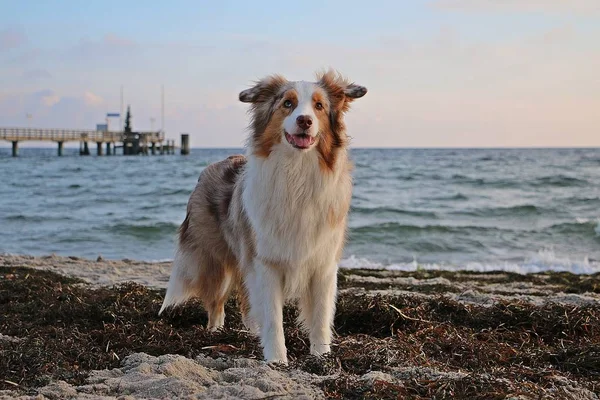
[
  {"x": 92, "y": 99},
  {"x": 106, "y": 49},
  {"x": 113, "y": 40},
  {"x": 11, "y": 38},
  {"x": 520, "y": 6},
  {"x": 51, "y": 109},
  {"x": 48, "y": 98},
  {"x": 36, "y": 74},
  {"x": 26, "y": 56}
]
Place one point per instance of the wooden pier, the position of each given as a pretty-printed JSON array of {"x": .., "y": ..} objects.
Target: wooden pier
[{"x": 132, "y": 143}]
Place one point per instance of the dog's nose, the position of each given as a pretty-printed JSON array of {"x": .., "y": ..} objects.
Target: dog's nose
[{"x": 304, "y": 121}]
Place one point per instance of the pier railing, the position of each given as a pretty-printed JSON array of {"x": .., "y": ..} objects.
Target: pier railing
[{"x": 64, "y": 135}]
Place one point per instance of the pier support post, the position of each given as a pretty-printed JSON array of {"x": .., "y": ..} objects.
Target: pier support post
[
  {"x": 60, "y": 149},
  {"x": 162, "y": 148},
  {"x": 185, "y": 144},
  {"x": 114, "y": 149},
  {"x": 108, "y": 149},
  {"x": 15, "y": 148},
  {"x": 99, "y": 147},
  {"x": 153, "y": 148},
  {"x": 85, "y": 151}
]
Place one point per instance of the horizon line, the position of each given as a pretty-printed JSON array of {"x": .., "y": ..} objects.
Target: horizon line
[{"x": 533, "y": 147}]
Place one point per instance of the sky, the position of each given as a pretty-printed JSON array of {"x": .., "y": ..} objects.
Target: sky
[{"x": 440, "y": 73}]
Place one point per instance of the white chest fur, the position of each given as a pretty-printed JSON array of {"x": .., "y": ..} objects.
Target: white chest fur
[{"x": 288, "y": 199}]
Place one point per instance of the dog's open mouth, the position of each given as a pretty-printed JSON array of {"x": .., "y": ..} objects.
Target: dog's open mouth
[{"x": 301, "y": 141}]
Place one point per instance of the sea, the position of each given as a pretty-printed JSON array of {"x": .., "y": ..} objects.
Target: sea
[{"x": 518, "y": 210}]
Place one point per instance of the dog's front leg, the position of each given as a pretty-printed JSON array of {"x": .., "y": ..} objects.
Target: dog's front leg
[
  {"x": 265, "y": 290},
  {"x": 320, "y": 300}
]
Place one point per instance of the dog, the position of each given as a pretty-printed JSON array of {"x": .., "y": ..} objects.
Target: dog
[{"x": 272, "y": 224}]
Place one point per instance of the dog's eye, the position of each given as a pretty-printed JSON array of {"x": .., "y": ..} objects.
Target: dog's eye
[
  {"x": 319, "y": 106},
  {"x": 287, "y": 104}
]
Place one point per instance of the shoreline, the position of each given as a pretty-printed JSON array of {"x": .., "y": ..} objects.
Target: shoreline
[
  {"x": 543, "y": 262},
  {"x": 93, "y": 333}
]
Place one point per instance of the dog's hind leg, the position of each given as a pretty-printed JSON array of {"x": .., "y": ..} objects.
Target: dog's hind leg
[
  {"x": 217, "y": 283},
  {"x": 244, "y": 304},
  {"x": 196, "y": 274}
]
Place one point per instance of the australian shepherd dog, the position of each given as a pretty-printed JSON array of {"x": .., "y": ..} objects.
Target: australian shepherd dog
[{"x": 271, "y": 224}]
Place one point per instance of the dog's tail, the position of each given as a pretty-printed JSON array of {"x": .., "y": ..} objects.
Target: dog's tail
[{"x": 183, "y": 281}]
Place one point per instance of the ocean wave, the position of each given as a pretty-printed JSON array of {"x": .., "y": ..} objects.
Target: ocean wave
[
  {"x": 378, "y": 176},
  {"x": 391, "y": 210},
  {"x": 145, "y": 231},
  {"x": 463, "y": 179},
  {"x": 454, "y": 197},
  {"x": 546, "y": 181},
  {"x": 35, "y": 218},
  {"x": 399, "y": 228},
  {"x": 165, "y": 192},
  {"x": 405, "y": 178},
  {"x": 585, "y": 201},
  {"x": 544, "y": 260},
  {"x": 583, "y": 226},
  {"x": 558, "y": 181},
  {"x": 152, "y": 207},
  {"x": 438, "y": 246},
  {"x": 590, "y": 222},
  {"x": 174, "y": 192},
  {"x": 511, "y": 211},
  {"x": 483, "y": 182}
]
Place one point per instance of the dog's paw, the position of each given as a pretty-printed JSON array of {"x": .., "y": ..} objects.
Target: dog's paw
[
  {"x": 214, "y": 328},
  {"x": 319, "y": 349},
  {"x": 283, "y": 361}
]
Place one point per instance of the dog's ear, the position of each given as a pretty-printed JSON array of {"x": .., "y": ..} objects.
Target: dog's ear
[
  {"x": 341, "y": 91},
  {"x": 263, "y": 90},
  {"x": 354, "y": 91}
]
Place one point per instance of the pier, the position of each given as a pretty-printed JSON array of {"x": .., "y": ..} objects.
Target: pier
[{"x": 132, "y": 143}]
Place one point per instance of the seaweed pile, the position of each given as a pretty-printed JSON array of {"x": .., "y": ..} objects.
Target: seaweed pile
[{"x": 406, "y": 345}]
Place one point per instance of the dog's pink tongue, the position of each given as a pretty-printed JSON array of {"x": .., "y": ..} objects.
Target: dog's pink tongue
[{"x": 302, "y": 140}]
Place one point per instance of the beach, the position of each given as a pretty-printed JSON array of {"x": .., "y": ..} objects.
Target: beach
[
  {"x": 74, "y": 327},
  {"x": 445, "y": 154}
]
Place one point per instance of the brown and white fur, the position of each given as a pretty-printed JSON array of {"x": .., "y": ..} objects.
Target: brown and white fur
[{"x": 272, "y": 224}]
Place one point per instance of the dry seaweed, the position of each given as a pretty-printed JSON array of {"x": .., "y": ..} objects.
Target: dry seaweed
[
  {"x": 507, "y": 349},
  {"x": 565, "y": 281}
]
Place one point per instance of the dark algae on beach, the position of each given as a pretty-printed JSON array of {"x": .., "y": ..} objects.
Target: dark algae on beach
[{"x": 396, "y": 344}]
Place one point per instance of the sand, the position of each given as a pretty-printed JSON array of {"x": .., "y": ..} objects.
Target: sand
[
  {"x": 173, "y": 377},
  {"x": 223, "y": 377},
  {"x": 474, "y": 288},
  {"x": 100, "y": 272}
]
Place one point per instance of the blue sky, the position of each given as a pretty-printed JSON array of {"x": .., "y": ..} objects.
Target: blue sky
[{"x": 440, "y": 73}]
